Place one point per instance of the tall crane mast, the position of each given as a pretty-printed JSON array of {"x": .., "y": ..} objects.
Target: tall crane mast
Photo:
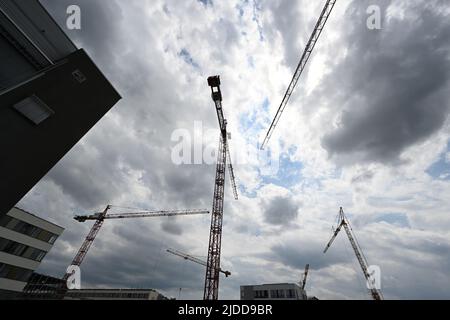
[
  {"x": 343, "y": 222},
  {"x": 100, "y": 217},
  {"x": 194, "y": 259},
  {"x": 211, "y": 291},
  {"x": 305, "y": 275},
  {"x": 301, "y": 66}
]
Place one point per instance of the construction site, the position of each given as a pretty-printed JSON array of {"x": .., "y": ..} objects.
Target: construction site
[{"x": 78, "y": 132}]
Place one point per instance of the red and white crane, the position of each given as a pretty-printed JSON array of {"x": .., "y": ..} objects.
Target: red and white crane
[
  {"x": 100, "y": 217},
  {"x": 305, "y": 275}
]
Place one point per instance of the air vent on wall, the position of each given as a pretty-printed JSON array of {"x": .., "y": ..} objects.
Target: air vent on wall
[{"x": 34, "y": 109}]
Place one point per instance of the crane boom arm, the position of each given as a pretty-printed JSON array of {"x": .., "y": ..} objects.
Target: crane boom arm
[
  {"x": 375, "y": 293},
  {"x": 232, "y": 178},
  {"x": 301, "y": 66},
  {"x": 332, "y": 238},
  {"x": 305, "y": 275},
  {"x": 143, "y": 214},
  {"x": 81, "y": 254},
  {"x": 194, "y": 259},
  {"x": 100, "y": 218}
]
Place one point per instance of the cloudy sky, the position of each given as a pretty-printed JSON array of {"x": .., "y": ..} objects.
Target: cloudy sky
[{"x": 366, "y": 129}]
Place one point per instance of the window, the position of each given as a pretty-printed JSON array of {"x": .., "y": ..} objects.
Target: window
[
  {"x": 44, "y": 236},
  {"x": 277, "y": 294},
  {"x": 28, "y": 229},
  {"x": 40, "y": 256},
  {"x": 3, "y": 243},
  {"x": 21, "y": 250},
  {"x": 14, "y": 273},
  {"x": 34, "y": 109},
  {"x": 53, "y": 239},
  {"x": 12, "y": 224},
  {"x": 290, "y": 293}
]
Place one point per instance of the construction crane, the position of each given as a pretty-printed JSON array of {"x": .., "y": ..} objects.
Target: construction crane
[
  {"x": 305, "y": 275},
  {"x": 100, "y": 217},
  {"x": 301, "y": 66},
  {"x": 194, "y": 259},
  {"x": 343, "y": 222},
  {"x": 211, "y": 291}
]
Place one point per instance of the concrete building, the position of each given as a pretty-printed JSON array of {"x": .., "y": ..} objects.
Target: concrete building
[
  {"x": 277, "y": 291},
  {"x": 51, "y": 95},
  {"x": 115, "y": 294},
  {"x": 25, "y": 239},
  {"x": 43, "y": 287}
]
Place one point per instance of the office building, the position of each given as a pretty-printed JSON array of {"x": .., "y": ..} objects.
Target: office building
[{"x": 25, "y": 239}]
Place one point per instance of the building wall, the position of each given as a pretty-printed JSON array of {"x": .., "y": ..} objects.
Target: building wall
[{"x": 25, "y": 239}]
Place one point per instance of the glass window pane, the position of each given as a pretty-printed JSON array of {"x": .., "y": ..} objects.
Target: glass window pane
[
  {"x": 53, "y": 239},
  {"x": 28, "y": 253},
  {"x": 4, "y": 219},
  {"x": 3, "y": 270},
  {"x": 44, "y": 236},
  {"x": 12, "y": 224},
  {"x": 3, "y": 244},
  {"x": 40, "y": 256}
]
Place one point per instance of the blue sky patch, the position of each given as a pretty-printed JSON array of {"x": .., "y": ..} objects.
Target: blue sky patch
[
  {"x": 289, "y": 172},
  {"x": 397, "y": 219},
  {"x": 206, "y": 2},
  {"x": 186, "y": 56},
  {"x": 441, "y": 168}
]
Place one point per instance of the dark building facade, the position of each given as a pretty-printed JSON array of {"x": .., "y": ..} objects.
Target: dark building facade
[{"x": 51, "y": 95}]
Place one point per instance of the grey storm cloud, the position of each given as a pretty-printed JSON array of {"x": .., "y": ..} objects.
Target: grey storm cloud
[
  {"x": 394, "y": 83},
  {"x": 297, "y": 256},
  {"x": 288, "y": 16},
  {"x": 281, "y": 211},
  {"x": 170, "y": 226}
]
